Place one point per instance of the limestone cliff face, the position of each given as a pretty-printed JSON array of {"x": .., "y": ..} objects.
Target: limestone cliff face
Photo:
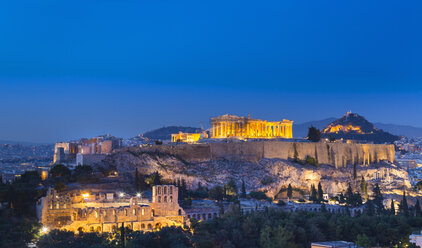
[
  {"x": 334, "y": 154},
  {"x": 278, "y": 172}
]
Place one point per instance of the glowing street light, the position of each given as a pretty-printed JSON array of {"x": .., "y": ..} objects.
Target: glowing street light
[
  {"x": 122, "y": 194},
  {"x": 44, "y": 230}
]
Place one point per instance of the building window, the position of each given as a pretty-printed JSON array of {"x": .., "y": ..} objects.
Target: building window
[
  {"x": 159, "y": 199},
  {"x": 165, "y": 198},
  {"x": 171, "y": 190},
  {"x": 125, "y": 212},
  {"x": 165, "y": 190},
  {"x": 134, "y": 211},
  {"x": 180, "y": 212},
  {"x": 171, "y": 198},
  {"x": 159, "y": 190},
  {"x": 57, "y": 205},
  {"x": 143, "y": 211}
]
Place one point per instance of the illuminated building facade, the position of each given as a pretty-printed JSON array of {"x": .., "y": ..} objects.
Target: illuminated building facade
[
  {"x": 98, "y": 145},
  {"x": 227, "y": 126},
  {"x": 104, "y": 211},
  {"x": 188, "y": 137}
]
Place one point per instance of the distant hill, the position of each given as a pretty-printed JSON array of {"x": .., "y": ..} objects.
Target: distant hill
[
  {"x": 301, "y": 130},
  {"x": 164, "y": 133},
  {"x": 401, "y": 130},
  {"x": 352, "y": 126}
]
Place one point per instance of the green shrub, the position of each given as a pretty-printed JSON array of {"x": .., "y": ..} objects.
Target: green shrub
[
  {"x": 312, "y": 161},
  {"x": 267, "y": 180}
]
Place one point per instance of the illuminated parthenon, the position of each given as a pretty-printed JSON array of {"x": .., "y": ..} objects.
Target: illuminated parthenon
[{"x": 227, "y": 126}]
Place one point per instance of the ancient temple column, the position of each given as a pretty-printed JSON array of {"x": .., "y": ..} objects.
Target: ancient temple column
[{"x": 291, "y": 131}]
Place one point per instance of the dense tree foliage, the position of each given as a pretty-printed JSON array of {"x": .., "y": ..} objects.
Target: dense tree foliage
[
  {"x": 61, "y": 172},
  {"x": 18, "y": 222},
  {"x": 272, "y": 228},
  {"x": 314, "y": 134}
]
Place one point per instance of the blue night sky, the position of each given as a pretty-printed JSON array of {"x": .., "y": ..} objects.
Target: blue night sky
[{"x": 71, "y": 69}]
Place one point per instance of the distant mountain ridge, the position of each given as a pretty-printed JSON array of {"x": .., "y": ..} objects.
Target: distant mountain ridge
[
  {"x": 164, "y": 133},
  {"x": 23, "y": 143}
]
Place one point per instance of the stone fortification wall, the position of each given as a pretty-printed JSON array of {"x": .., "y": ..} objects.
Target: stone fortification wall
[{"x": 335, "y": 154}]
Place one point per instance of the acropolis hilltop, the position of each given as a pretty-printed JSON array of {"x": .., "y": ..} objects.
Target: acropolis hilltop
[{"x": 239, "y": 127}]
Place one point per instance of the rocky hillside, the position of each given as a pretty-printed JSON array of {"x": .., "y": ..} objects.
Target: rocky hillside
[{"x": 268, "y": 174}]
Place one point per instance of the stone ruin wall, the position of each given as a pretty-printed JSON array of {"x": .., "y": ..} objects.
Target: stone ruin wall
[{"x": 335, "y": 154}]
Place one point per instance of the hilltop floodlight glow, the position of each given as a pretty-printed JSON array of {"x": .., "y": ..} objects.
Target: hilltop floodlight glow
[
  {"x": 121, "y": 194},
  {"x": 138, "y": 195},
  {"x": 44, "y": 229}
]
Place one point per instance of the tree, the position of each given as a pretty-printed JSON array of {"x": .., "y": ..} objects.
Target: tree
[
  {"x": 320, "y": 193},
  {"x": 314, "y": 196},
  {"x": 364, "y": 189},
  {"x": 392, "y": 208},
  {"x": 217, "y": 193},
  {"x": 369, "y": 208},
  {"x": 403, "y": 207},
  {"x": 378, "y": 199},
  {"x": 349, "y": 195},
  {"x": 275, "y": 237},
  {"x": 363, "y": 240},
  {"x": 60, "y": 171},
  {"x": 59, "y": 186},
  {"x": 289, "y": 191},
  {"x": 417, "y": 208},
  {"x": 231, "y": 187},
  {"x": 314, "y": 134},
  {"x": 122, "y": 236},
  {"x": 83, "y": 174},
  {"x": 259, "y": 195},
  {"x": 154, "y": 179},
  {"x": 419, "y": 185},
  {"x": 341, "y": 198},
  {"x": 243, "y": 193}
]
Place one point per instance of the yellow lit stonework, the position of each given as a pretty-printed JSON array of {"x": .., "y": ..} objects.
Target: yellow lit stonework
[
  {"x": 227, "y": 126},
  {"x": 104, "y": 211},
  {"x": 341, "y": 128},
  {"x": 188, "y": 137}
]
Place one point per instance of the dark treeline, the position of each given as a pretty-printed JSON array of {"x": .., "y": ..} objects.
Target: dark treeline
[
  {"x": 18, "y": 222},
  {"x": 271, "y": 228}
]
